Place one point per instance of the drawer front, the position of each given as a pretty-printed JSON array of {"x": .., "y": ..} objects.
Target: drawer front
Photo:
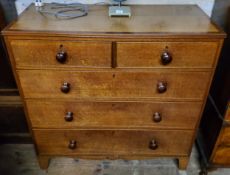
[
  {"x": 225, "y": 136},
  {"x": 43, "y": 53},
  {"x": 183, "y": 54},
  {"x": 113, "y": 142},
  {"x": 177, "y": 85},
  {"x": 222, "y": 156},
  {"x": 57, "y": 114}
]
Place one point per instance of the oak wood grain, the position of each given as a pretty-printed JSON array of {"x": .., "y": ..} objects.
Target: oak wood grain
[
  {"x": 183, "y": 162},
  {"x": 79, "y": 54},
  {"x": 222, "y": 156},
  {"x": 219, "y": 152},
  {"x": 145, "y": 19},
  {"x": 110, "y": 94},
  {"x": 224, "y": 138},
  {"x": 184, "y": 54},
  {"x": 113, "y": 84},
  {"x": 50, "y": 114},
  {"x": 43, "y": 161},
  {"x": 112, "y": 142}
]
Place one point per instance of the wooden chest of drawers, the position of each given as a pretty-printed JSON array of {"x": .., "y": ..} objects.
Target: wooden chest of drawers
[{"x": 114, "y": 88}]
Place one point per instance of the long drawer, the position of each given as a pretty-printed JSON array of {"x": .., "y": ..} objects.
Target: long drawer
[
  {"x": 156, "y": 54},
  {"x": 40, "y": 53},
  {"x": 109, "y": 84},
  {"x": 112, "y": 142},
  {"x": 72, "y": 114}
]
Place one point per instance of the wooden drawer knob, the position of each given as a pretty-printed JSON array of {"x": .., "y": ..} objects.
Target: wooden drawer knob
[
  {"x": 161, "y": 86},
  {"x": 153, "y": 145},
  {"x": 61, "y": 57},
  {"x": 65, "y": 88},
  {"x": 69, "y": 116},
  {"x": 72, "y": 144},
  {"x": 157, "y": 117},
  {"x": 166, "y": 58}
]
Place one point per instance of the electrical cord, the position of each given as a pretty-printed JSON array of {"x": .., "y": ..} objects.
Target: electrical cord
[
  {"x": 67, "y": 11},
  {"x": 79, "y": 10}
]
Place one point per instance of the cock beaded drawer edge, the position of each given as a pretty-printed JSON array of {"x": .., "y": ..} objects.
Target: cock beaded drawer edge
[{"x": 98, "y": 87}]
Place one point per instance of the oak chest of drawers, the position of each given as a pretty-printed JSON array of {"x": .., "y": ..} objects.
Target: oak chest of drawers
[{"x": 114, "y": 88}]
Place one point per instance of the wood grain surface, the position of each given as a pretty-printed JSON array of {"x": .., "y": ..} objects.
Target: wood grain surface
[
  {"x": 222, "y": 156},
  {"x": 112, "y": 142},
  {"x": 145, "y": 19},
  {"x": 184, "y": 54},
  {"x": 224, "y": 138},
  {"x": 113, "y": 84},
  {"x": 101, "y": 102},
  {"x": 105, "y": 114},
  {"x": 79, "y": 54}
]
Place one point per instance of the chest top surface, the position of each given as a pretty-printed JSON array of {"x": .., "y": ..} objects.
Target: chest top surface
[{"x": 151, "y": 20}]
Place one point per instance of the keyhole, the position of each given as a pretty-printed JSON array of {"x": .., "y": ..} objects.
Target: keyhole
[
  {"x": 61, "y": 48},
  {"x": 114, "y": 75}
]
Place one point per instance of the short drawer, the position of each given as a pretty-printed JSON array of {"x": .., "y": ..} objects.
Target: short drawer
[
  {"x": 40, "y": 53},
  {"x": 72, "y": 114},
  {"x": 158, "y": 54},
  {"x": 108, "y": 84},
  {"x": 113, "y": 142}
]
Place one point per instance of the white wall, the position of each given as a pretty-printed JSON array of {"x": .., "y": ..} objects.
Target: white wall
[{"x": 206, "y": 5}]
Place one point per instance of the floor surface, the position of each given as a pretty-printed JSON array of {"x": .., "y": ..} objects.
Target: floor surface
[{"x": 20, "y": 159}]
